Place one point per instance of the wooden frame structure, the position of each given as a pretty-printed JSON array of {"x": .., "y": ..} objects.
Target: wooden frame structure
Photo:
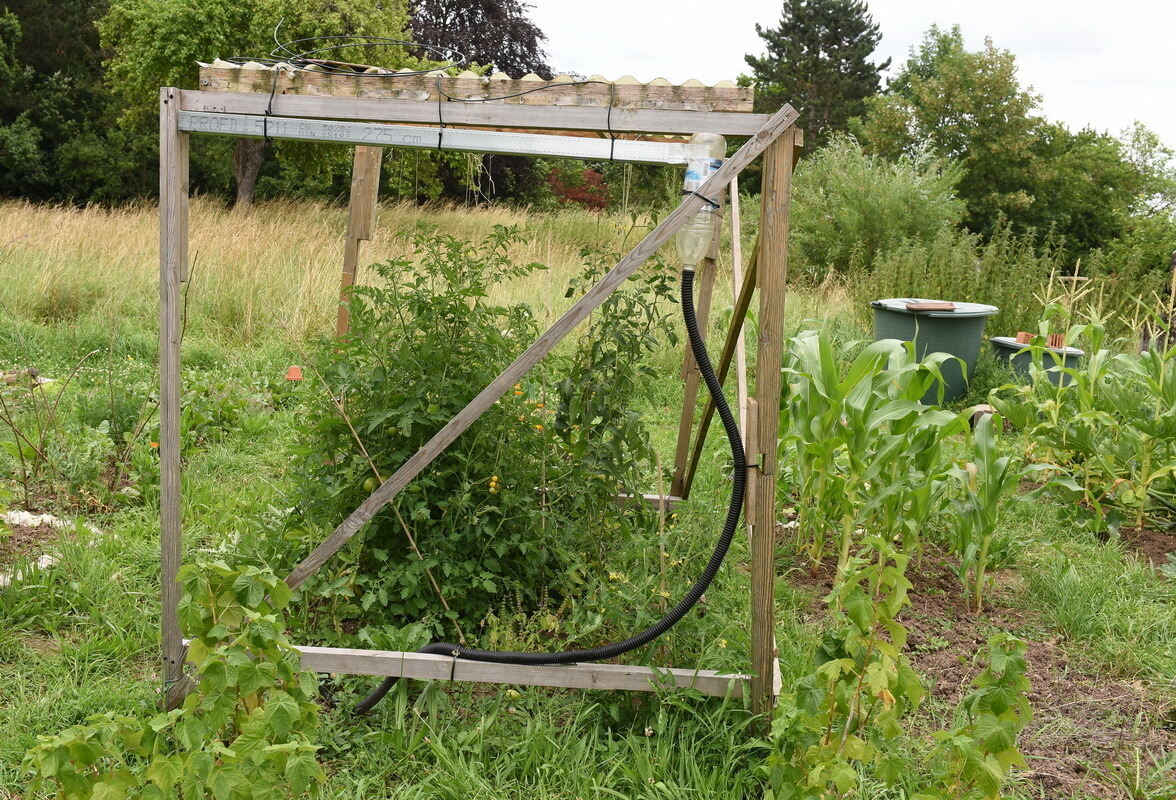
[{"x": 373, "y": 114}]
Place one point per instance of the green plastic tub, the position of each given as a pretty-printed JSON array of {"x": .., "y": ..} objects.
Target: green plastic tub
[
  {"x": 1008, "y": 349},
  {"x": 957, "y": 331}
]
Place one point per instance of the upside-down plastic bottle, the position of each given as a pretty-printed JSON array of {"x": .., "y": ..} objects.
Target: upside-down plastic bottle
[{"x": 694, "y": 238}]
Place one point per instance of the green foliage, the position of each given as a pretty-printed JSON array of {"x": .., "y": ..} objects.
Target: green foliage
[
  {"x": 849, "y": 207},
  {"x": 845, "y": 716},
  {"x": 862, "y": 453},
  {"x": 967, "y": 106},
  {"x": 154, "y": 44},
  {"x": 977, "y": 755},
  {"x": 1016, "y": 167},
  {"x": 1008, "y": 271},
  {"x": 1111, "y": 422},
  {"x": 56, "y": 136},
  {"x": 818, "y": 59},
  {"x": 989, "y": 483},
  {"x": 520, "y": 499},
  {"x": 243, "y": 732}
]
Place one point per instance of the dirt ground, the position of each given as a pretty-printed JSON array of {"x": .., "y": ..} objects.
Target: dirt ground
[
  {"x": 1086, "y": 731},
  {"x": 1152, "y": 545},
  {"x": 19, "y": 542}
]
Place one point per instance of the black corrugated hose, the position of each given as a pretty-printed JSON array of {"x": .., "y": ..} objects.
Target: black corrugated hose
[{"x": 734, "y": 508}]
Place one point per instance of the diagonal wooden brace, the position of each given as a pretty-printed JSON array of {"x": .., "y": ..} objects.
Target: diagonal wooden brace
[
  {"x": 776, "y": 125},
  {"x": 734, "y": 334}
]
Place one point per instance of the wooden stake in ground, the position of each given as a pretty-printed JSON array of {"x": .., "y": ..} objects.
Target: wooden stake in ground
[
  {"x": 361, "y": 217},
  {"x": 691, "y": 377},
  {"x": 173, "y": 264},
  {"x": 736, "y": 284}
]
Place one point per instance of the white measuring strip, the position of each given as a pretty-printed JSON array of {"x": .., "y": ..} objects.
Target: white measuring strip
[{"x": 382, "y": 135}]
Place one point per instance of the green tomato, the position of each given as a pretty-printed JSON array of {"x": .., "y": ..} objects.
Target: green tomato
[{"x": 370, "y": 485}]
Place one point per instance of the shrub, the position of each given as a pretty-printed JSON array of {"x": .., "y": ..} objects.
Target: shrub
[
  {"x": 515, "y": 500},
  {"x": 849, "y": 207}
]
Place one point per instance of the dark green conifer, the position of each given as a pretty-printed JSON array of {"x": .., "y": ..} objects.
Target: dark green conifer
[{"x": 818, "y": 59}]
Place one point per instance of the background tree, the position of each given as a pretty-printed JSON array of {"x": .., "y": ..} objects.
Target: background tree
[
  {"x": 818, "y": 59},
  {"x": 57, "y": 137},
  {"x": 158, "y": 44},
  {"x": 970, "y": 107},
  {"x": 490, "y": 33},
  {"x": 496, "y": 32}
]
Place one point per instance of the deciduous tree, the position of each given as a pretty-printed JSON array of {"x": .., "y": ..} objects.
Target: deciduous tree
[
  {"x": 158, "y": 43},
  {"x": 486, "y": 32}
]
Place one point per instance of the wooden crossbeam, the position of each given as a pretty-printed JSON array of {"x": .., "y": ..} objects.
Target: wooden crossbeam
[
  {"x": 469, "y": 140},
  {"x": 584, "y": 118},
  {"x": 393, "y": 664},
  {"x": 779, "y": 122}
]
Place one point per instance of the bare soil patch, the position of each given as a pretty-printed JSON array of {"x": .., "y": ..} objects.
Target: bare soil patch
[
  {"x": 1085, "y": 728},
  {"x": 19, "y": 542},
  {"x": 1152, "y": 545}
]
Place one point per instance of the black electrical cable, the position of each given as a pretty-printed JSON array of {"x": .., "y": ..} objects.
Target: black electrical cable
[{"x": 730, "y": 525}]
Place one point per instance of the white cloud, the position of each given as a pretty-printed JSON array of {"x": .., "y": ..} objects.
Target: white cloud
[{"x": 1094, "y": 65}]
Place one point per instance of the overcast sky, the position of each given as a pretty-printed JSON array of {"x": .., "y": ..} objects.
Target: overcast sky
[{"x": 1095, "y": 64}]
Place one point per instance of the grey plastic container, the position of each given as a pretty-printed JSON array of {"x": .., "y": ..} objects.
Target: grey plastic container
[
  {"x": 1007, "y": 348},
  {"x": 958, "y": 332}
]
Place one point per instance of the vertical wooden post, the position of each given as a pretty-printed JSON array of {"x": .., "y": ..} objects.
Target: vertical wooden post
[
  {"x": 692, "y": 378},
  {"x": 361, "y": 214},
  {"x": 173, "y": 269},
  {"x": 772, "y": 274}
]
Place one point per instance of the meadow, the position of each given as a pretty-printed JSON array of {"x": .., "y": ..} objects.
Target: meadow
[{"x": 79, "y": 636}]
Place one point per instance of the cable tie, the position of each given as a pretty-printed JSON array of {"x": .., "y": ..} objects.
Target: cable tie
[
  {"x": 714, "y": 206},
  {"x": 612, "y": 143},
  {"x": 440, "y": 118},
  {"x": 453, "y": 666}
]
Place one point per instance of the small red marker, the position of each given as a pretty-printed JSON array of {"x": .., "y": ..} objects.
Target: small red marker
[{"x": 294, "y": 373}]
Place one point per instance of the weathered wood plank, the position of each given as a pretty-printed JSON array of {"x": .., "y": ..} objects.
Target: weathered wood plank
[
  {"x": 773, "y": 274},
  {"x": 173, "y": 266},
  {"x": 654, "y": 500},
  {"x": 429, "y": 138},
  {"x": 361, "y": 214},
  {"x": 625, "y": 120},
  {"x": 424, "y": 666},
  {"x": 424, "y": 87},
  {"x": 692, "y": 378},
  {"x": 662, "y": 233}
]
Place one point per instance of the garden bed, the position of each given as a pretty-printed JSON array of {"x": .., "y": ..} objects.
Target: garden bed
[
  {"x": 1155, "y": 546},
  {"x": 1086, "y": 731}
]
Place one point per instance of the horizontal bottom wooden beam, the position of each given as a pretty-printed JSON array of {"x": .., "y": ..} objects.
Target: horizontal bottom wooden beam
[
  {"x": 388, "y": 663},
  {"x": 654, "y": 500}
]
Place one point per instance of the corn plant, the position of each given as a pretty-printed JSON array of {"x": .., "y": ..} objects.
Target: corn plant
[
  {"x": 988, "y": 482},
  {"x": 1111, "y": 424},
  {"x": 861, "y": 450}
]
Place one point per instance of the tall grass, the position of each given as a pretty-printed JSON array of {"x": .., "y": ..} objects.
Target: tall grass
[
  {"x": 276, "y": 265},
  {"x": 273, "y": 272},
  {"x": 1019, "y": 274}
]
